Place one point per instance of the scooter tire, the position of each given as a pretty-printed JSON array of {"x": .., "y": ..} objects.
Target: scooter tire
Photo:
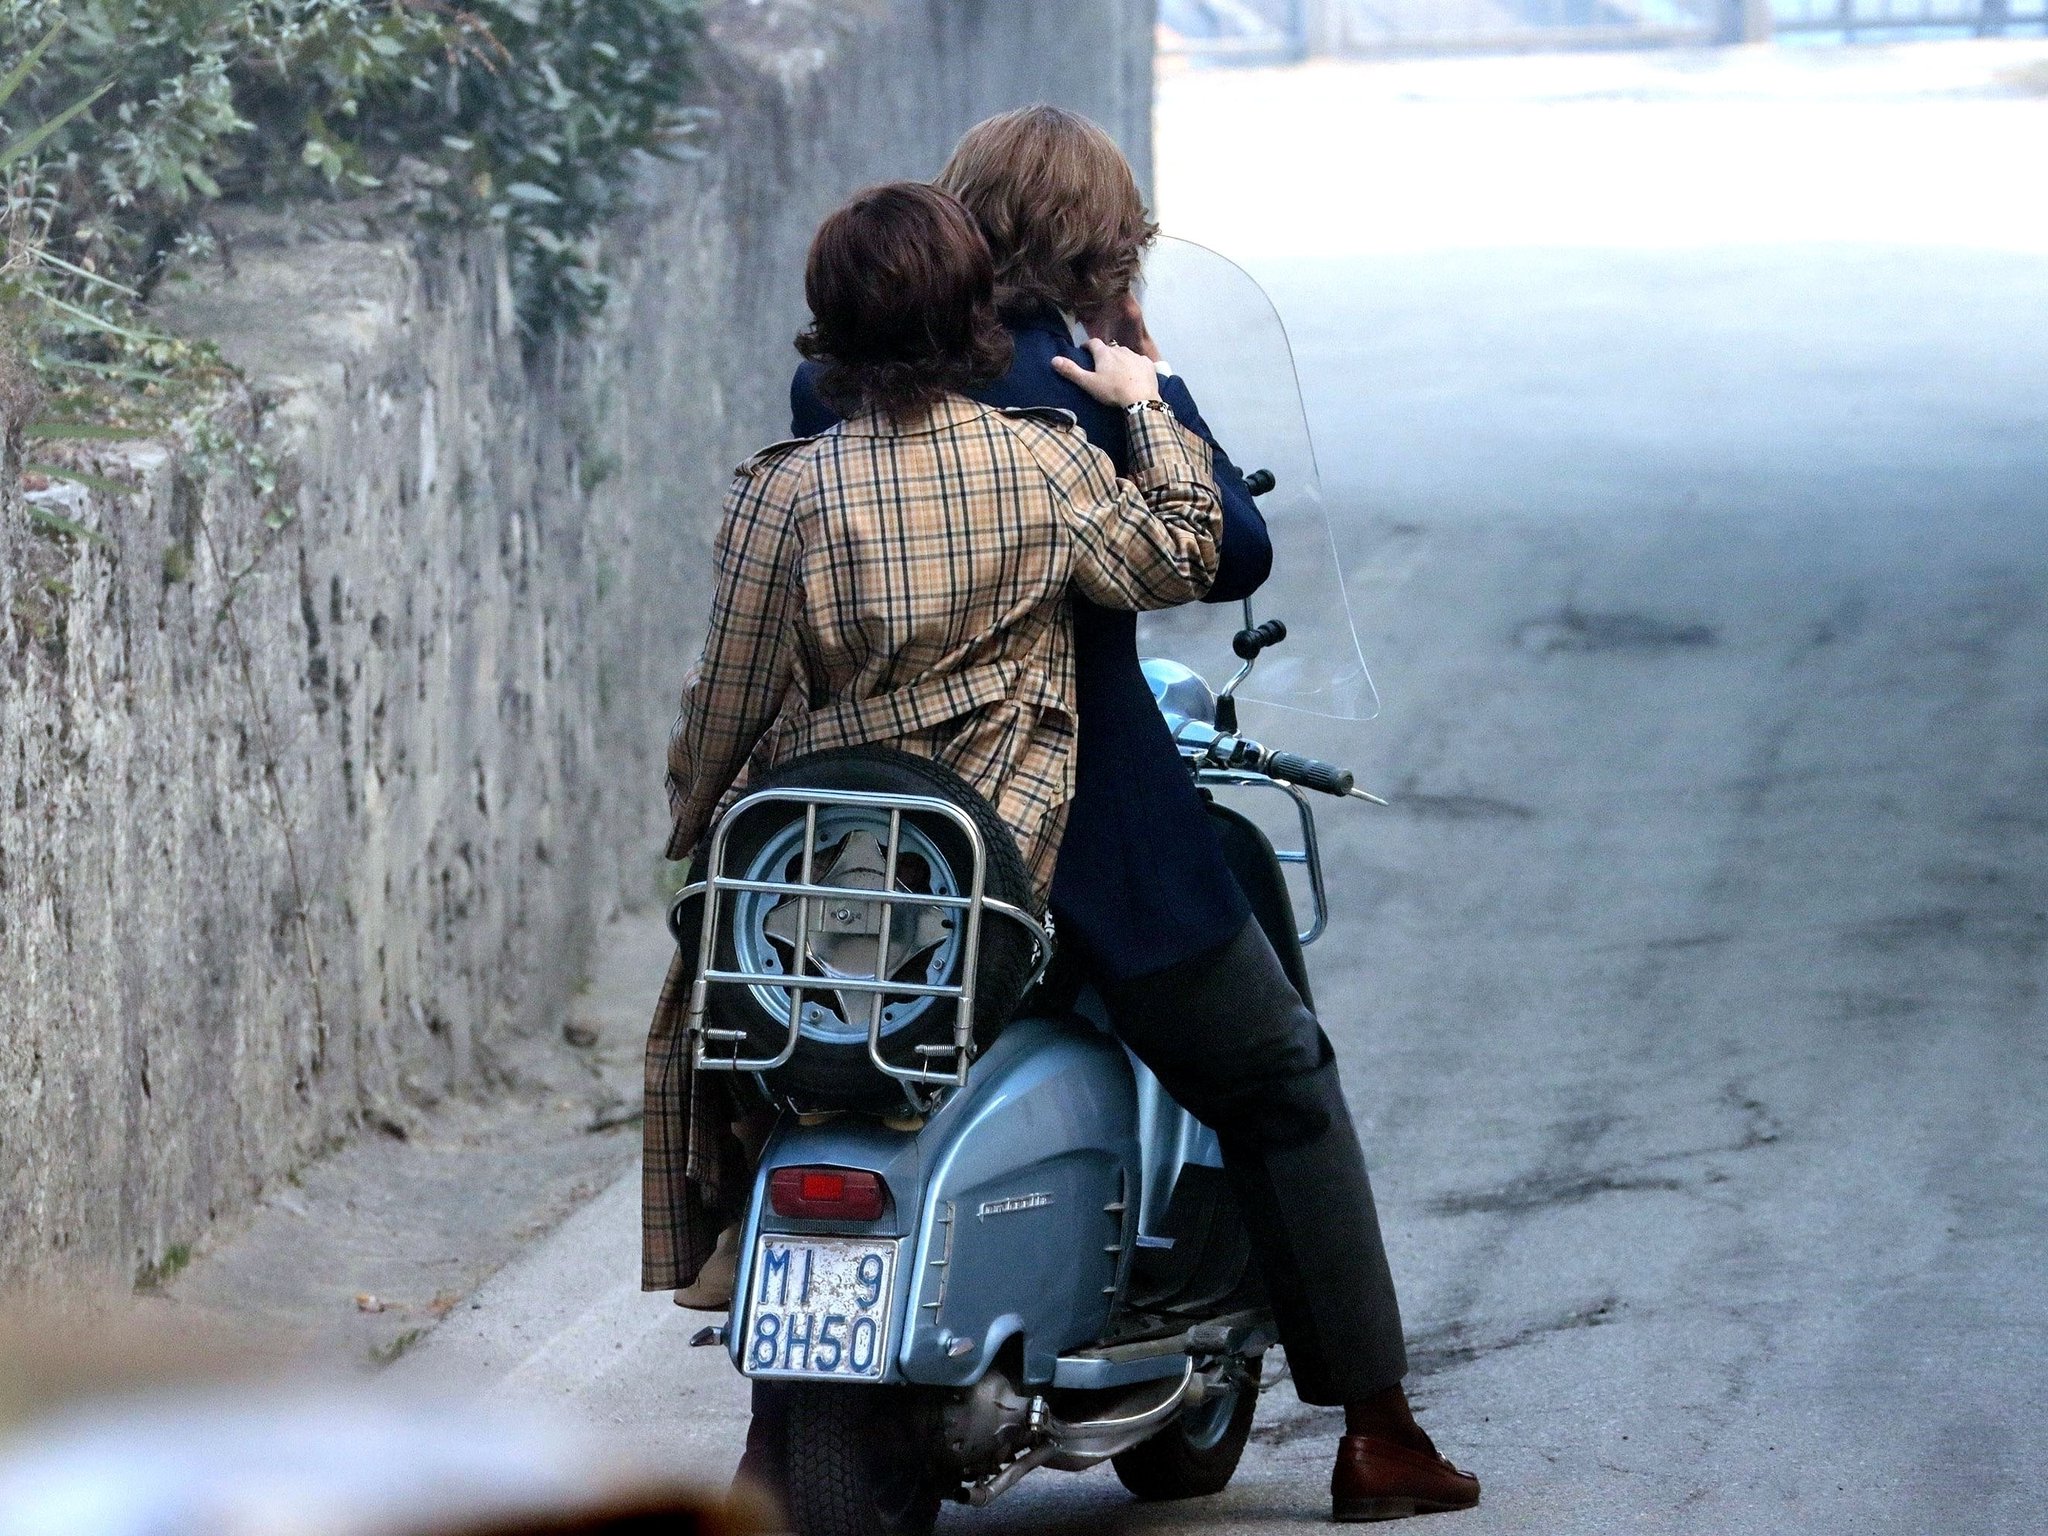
[
  {"x": 860, "y": 1462},
  {"x": 839, "y": 1075},
  {"x": 1195, "y": 1455}
]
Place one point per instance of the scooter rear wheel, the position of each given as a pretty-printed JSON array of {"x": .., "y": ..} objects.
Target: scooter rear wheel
[
  {"x": 860, "y": 1461},
  {"x": 831, "y": 1068},
  {"x": 1197, "y": 1454}
]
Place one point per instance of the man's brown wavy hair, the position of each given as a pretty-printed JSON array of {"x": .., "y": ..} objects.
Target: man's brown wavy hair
[
  {"x": 1060, "y": 208},
  {"x": 902, "y": 293}
]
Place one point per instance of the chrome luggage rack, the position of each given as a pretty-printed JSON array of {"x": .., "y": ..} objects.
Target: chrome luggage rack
[{"x": 717, "y": 1049}]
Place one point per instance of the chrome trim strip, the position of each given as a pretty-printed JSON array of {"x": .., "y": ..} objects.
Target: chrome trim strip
[{"x": 1092, "y": 1375}]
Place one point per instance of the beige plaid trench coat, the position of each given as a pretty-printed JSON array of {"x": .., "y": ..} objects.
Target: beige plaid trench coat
[{"x": 905, "y": 584}]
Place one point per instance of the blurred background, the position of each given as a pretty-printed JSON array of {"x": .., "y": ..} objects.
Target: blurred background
[
  {"x": 1680, "y": 380},
  {"x": 1678, "y": 374},
  {"x": 1285, "y": 30}
]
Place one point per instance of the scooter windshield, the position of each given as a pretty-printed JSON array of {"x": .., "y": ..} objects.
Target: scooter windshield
[{"x": 1219, "y": 332}]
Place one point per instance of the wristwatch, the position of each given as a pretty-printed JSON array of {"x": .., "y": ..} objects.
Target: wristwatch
[{"x": 1136, "y": 406}]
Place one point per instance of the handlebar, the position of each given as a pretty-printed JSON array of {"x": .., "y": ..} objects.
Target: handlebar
[
  {"x": 1308, "y": 772},
  {"x": 1211, "y": 748}
]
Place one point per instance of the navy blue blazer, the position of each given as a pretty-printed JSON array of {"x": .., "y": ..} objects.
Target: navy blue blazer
[{"x": 1141, "y": 881}]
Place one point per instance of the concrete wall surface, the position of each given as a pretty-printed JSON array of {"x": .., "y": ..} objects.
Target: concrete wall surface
[{"x": 308, "y": 799}]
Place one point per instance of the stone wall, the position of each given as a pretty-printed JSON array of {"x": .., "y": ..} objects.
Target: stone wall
[{"x": 297, "y": 822}]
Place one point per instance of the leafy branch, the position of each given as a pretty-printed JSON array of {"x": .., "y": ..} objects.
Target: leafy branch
[{"x": 121, "y": 121}]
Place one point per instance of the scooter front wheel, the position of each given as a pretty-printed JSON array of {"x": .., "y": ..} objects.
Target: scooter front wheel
[
  {"x": 860, "y": 1461},
  {"x": 1197, "y": 1454}
]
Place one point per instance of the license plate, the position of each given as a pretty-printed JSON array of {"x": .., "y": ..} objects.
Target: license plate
[{"x": 819, "y": 1307}]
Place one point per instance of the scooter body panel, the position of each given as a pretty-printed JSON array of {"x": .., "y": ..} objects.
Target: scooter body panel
[
  {"x": 1169, "y": 1138},
  {"x": 1017, "y": 1200}
]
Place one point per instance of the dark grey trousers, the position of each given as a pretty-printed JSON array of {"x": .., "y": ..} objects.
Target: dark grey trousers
[{"x": 1230, "y": 1039}]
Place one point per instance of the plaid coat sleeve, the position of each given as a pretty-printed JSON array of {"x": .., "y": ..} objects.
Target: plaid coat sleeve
[
  {"x": 736, "y": 690},
  {"x": 1152, "y": 541}
]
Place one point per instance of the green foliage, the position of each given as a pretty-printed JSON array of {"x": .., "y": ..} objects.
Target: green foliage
[
  {"x": 388, "y": 1352},
  {"x": 120, "y": 120},
  {"x": 551, "y": 135},
  {"x": 160, "y": 1272}
]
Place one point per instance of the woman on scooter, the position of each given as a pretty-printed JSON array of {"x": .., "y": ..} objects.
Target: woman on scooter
[
  {"x": 1141, "y": 891},
  {"x": 906, "y": 579}
]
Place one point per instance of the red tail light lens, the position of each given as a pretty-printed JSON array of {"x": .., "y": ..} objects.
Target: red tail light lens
[{"x": 827, "y": 1194}]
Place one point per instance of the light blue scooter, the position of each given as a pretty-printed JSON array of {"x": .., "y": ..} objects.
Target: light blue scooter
[
  {"x": 1031, "y": 1259},
  {"x": 982, "y": 1239}
]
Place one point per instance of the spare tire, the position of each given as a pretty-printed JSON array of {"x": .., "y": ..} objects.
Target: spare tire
[{"x": 757, "y": 931}]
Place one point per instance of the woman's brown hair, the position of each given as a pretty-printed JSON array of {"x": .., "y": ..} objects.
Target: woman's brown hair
[
  {"x": 902, "y": 293},
  {"x": 1060, "y": 208}
]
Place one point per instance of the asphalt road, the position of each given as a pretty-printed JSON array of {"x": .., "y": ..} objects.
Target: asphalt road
[{"x": 1690, "y": 995}]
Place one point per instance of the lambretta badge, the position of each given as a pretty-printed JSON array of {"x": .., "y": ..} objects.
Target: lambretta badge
[{"x": 1009, "y": 1205}]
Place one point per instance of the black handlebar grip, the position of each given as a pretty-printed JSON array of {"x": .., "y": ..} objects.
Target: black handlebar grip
[
  {"x": 1309, "y": 773},
  {"x": 1249, "y": 642},
  {"x": 1260, "y": 481}
]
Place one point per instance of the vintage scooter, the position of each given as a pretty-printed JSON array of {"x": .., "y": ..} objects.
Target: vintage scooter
[{"x": 982, "y": 1239}]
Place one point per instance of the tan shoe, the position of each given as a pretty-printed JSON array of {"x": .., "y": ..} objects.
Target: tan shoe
[
  {"x": 711, "y": 1291},
  {"x": 1377, "y": 1479}
]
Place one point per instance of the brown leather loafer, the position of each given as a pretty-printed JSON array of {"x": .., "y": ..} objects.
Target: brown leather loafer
[{"x": 1377, "y": 1479}]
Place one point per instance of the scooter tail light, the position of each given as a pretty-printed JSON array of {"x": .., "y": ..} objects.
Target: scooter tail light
[{"x": 827, "y": 1194}]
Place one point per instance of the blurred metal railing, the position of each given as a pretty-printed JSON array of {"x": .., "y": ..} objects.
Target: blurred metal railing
[
  {"x": 1226, "y": 31},
  {"x": 1890, "y": 20},
  {"x": 1270, "y": 31}
]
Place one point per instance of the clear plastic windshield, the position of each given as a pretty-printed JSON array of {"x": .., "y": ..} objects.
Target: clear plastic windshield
[{"x": 1220, "y": 333}]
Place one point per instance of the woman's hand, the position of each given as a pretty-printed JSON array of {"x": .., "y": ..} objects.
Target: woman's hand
[{"x": 1119, "y": 377}]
